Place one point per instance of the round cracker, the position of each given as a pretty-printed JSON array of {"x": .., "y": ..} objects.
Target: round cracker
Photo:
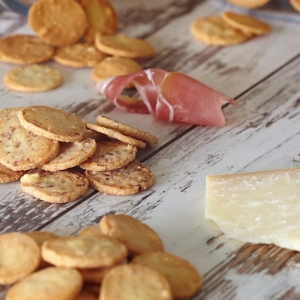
[
  {"x": 54, "y": 187},
  {"x": 8, "y": 175},
  {"x": 116, "y": 135},
  {"x": 71, "y": 155},
  {"x": 128, "y": 180},
  {"x": 78, "y": 55},
  {"x": 52, "y": 123},
  {"x": 24, "y": 49},
  {"x": 48, "y": 284},
  {"x": 19, "y": 256},
  {"x": 214, "y": 30},
  {"x": 183, "y": 277},
  {"x": 33, "y": 78},
  {"x": 110, "y": 155},
  {"x": 246, "y": 23},
  {"x": 124, "y": 46},
  {"x": 101, "y": 16},
  {"x": 135, "y": 282},
  {"x": 57, "y": 22},
  {"x": 84, "y": 251},
  {"x": 21, "y": 149},
  {"x": 115, "y": 66},
  {"x": 136, "y": 235},
  {"x": 126, "y": 129}
]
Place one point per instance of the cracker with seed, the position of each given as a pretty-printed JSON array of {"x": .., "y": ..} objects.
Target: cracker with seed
[
  {"x": 78, "y": 55},
  {"x": 48, "y": 284},
  {"x": 33, "y": 78},
  {"x": 136, "y": 235},
  {"x": 101, "y": 16},
  {"x": 135, "y": 282},
  {"x": 110, "y": 155},
  {"x": 128, "y": 180},
  {"x": 8, "y": 175},
  {"x": 246, "y": 23},
  {"x": 127, "y": 130},
  {"x": 57, "y": 22},
  {"x": 54, "y": 187},
  {"x": 19, "y": 256},
  {"x": 214, "y": 30},
  {"x": 115, "y": 66},
  {"x": 24, "y": 49},
  {"x": 183, "y": 277},
  {"x": 116, "y": 135},
  {"x": 71, "y": 155},
  {"x": 52, "y": 123},
  {"x": 84, "y": 251},
  {"x": 124, "y": 46},
  {"x": 20, "y": 149}
]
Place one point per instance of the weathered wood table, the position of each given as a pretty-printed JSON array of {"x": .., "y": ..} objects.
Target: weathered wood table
[{"x": 262, "y": 133}]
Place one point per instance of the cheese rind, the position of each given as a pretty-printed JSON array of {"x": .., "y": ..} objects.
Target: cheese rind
[{"x": 257, "y": 207}]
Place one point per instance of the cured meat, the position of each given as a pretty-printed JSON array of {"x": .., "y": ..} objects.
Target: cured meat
[{"x": 168, "y": 96}]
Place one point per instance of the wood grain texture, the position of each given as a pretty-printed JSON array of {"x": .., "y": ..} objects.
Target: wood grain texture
[{"x": 261, "y": 133}]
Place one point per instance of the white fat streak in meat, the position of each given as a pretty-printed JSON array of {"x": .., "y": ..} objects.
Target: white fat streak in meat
[
  {"x": 143, "y": 95},
  {"x": 160, "y": 97}
]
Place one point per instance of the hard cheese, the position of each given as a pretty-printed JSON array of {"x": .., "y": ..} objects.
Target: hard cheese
[{"x": 258, "y": 207}]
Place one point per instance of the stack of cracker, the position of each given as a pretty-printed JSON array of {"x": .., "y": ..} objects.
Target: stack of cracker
[
  {"x": 228, "y": 29},
  {"x": 73, "y": 33},
  {"x": 119, "y": 258},
  {"x": 57, "y": 156}
]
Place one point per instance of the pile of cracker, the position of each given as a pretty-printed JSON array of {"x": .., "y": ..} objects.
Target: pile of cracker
[
  {"x": 73, "y": 33},
  {"x": 57, "y": 156},
  {"x": 119, "y": 258},
  {"x": 228, "y": 29}
]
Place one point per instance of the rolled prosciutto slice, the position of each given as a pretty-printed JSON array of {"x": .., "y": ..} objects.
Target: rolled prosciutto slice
[{"x": 168, "y": 96}]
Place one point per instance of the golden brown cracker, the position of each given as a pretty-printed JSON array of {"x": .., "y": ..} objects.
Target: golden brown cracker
[
  {"x": 214, "y": 30},
  {"x": 115, "y": 66},
  {"x": 136, "y": 235},
  {"x": 246, "y": 23},
  {"x": 24, "y": 49},
  {"x": 135, "y": 282},
  {"x": 183, "y": 277},
  {"x": 57, "y": 22},
  {"x": 48, "y": 284},
  {"x": 110, "y": 155},
  {"x": 8, "y": 175},
  {"x": 78, "y": 55},
  {"x": 127, "y": 130},
  {"x": 101, "y": 17},
  {"x": 19, "y": 256},
  {"x": 54, "y": 187},
  {"x": 33, "y": 78},
  {"x": 52, "y": 123},
  {"x": 124, "y": 46},
  {"x": 21, "y": 149},
  {"x": 116, "y": 135},
  {"x": 71, "y": 155},
  {"x": 83, "y": 251},
  {"x": 128, "y": 180}
]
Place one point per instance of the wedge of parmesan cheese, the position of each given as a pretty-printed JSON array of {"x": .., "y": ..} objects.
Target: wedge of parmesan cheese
[{"x": 257, "y": 207}]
